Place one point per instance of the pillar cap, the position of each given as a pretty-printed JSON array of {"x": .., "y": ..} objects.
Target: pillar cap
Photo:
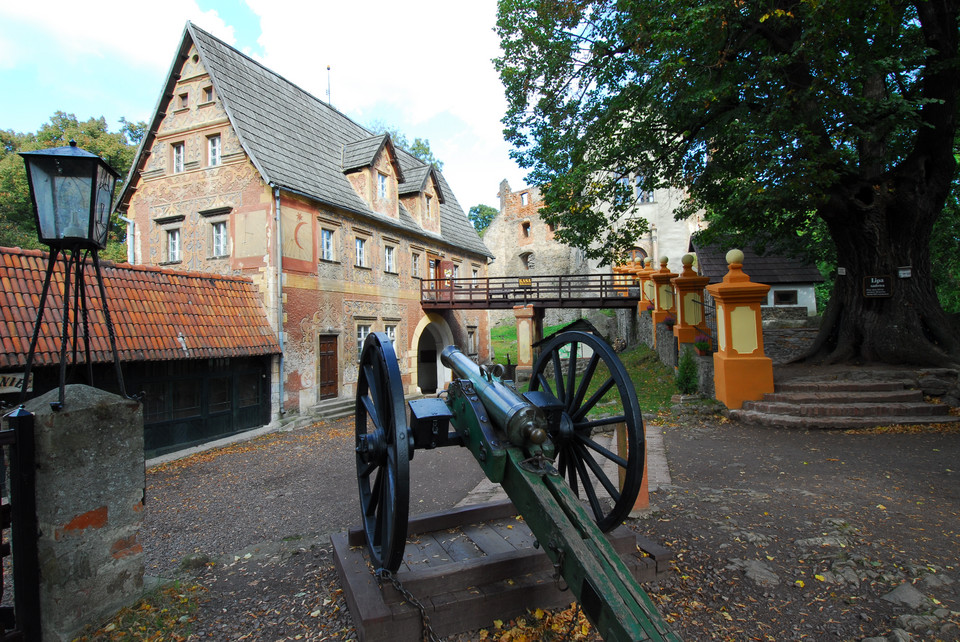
[{"x": 735, "y": 256}]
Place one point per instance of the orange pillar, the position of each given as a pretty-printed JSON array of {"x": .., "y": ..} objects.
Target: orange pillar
[
  {"x": 663, "y": 299},
  {"x": 646, "y": 285},
  {"x": 741, "y": 372},
  {"x": 689, "y": 289}
]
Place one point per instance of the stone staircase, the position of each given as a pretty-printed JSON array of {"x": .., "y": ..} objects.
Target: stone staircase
[
  {"x": 333, "y": 409},
  {"x": 843, "y": 402}
]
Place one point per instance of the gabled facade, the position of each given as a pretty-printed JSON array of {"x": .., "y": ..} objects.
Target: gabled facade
[{"x": 243, "y": 172}]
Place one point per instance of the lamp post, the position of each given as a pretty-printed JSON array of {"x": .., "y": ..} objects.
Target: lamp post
[{"x": 72, "y": 193}]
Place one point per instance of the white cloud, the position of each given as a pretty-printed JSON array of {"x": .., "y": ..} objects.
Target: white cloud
[
  {"x": 409, "y": 64},
  {"x": 422, "y": 66},
  {"x": 107, "y": 31}
]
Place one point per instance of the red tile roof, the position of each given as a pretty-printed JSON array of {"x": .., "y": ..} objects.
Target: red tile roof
[{"x": 157, "y": 314}]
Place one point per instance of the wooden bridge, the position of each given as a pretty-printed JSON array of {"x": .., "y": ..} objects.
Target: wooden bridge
[{"x": 506, "y": 292}]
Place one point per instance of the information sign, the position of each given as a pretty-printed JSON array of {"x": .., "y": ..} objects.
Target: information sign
[{"x": 877, "y": 287}]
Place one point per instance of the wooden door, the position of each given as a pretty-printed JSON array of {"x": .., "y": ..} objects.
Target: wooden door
[{"x": 327, "y": 366}]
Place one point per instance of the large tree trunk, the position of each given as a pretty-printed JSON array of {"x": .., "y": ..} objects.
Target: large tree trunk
[{"x": 877, "y": 231}]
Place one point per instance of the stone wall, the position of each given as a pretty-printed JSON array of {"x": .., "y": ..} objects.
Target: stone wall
[{"x": 89, "y": 491}]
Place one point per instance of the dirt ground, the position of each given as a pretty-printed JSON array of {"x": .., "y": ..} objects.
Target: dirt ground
[{"x": 778, "y": 534}]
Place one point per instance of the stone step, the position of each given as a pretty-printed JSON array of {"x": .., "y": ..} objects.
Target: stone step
[
  {"x": 835, "y": 423},
  {"x": 858, "y": 396},
  {"x": 334, "y": 409},
  {"x": 841, "y": 386},
  {"x": 823, "y": 409}
]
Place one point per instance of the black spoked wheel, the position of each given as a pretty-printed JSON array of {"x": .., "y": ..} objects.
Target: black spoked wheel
[
  {"x": 383, "y": 453},
  {"x": 600, "y": 417}
]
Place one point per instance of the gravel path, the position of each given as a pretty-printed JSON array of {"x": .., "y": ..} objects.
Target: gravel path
[{"x": 779, "y": 535}]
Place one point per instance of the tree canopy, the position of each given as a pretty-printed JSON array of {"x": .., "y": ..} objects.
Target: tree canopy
[
  {"x": 481, "y": 216},
  {"x": 17, "y": 228},
  {"x": 783, "y": 121}
]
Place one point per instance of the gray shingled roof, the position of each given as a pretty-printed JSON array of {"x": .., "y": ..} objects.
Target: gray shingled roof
[
  {"x": 769, "y": 268},
  {"x": 297, "y": 142},
  {"x": 416, "y": 181}
]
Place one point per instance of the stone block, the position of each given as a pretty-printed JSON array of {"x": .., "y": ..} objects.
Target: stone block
[{"x": 89, "y": 491}]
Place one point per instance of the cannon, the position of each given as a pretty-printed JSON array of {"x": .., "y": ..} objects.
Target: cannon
[{"x": 542, "y": 446}]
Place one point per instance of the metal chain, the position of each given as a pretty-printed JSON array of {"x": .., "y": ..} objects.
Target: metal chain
[
  {"x": 573, "y": 623},
  {"x": 428, "y": 633}
]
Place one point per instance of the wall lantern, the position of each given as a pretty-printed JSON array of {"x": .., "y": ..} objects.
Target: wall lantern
[{"x": 72, "y": 193}]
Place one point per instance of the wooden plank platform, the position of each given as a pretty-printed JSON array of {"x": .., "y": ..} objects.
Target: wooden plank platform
[{"x": 467, "y": 566}]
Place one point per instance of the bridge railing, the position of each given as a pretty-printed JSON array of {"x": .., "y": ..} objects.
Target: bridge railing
[{"x": 564, "y": 290}]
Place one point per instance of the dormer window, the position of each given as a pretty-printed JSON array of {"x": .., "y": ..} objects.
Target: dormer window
[
  {"x": 428, "y": 200},
  {"x": 183, "y": 101},
  {"x": 382, "y": 186},
  {"x": 208, "y": 94}
]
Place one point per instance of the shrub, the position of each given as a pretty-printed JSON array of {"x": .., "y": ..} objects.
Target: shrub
[{"x": 688, "y": 380}]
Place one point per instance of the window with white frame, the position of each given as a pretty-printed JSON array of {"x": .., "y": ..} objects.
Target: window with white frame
[
  {"x": 360, "y": 245},
  {"x": 428, "y": 201},
  {"x": 363, "y": 329},
  {"x": 415, "y": 264},
  {"x": 389, "y": 259},
  {"x": 456, "y": 270},
  {"x": 213, "y": 150},
  {"x": 382, "y": 186},
  {"x": 178, "y": 158},
  {"x": 173, "y": 245},
  {"x": 219, "y": 238},
  {"x": 208, "y": 94},
  {"x": 390, "y": 329},
  {"x": 326, "y": 245}
]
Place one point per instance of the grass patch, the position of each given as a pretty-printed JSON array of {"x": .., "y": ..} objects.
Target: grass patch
[
  {"x": 654, "y": 382},
  {"x": 164, "y": 614}
]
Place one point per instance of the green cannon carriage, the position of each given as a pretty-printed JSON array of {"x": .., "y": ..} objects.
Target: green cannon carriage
[{"x": 544, "y": 447}]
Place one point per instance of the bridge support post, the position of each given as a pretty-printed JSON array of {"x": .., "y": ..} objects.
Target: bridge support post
[{"x": 529, "y": 332}]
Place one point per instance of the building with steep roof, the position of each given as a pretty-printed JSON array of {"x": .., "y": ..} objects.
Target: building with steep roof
[
  {"x": 242, "y": 172},
  {"x": 198, "y": 346}
]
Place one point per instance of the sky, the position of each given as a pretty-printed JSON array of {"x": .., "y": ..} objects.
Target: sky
[{"x": 421, "y": 67}]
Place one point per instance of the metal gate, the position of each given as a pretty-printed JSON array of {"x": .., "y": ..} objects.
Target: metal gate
[{"x": 18, "y": 524}]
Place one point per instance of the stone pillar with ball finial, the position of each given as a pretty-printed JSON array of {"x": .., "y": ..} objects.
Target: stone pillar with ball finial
[
  {"x": 689, "y": 289},
  {"x": 741, "y": 371}
]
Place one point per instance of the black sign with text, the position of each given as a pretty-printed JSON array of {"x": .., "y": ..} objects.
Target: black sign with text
[{"x": 877, "y": 287}]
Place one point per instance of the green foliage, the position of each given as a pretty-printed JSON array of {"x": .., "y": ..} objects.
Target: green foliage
[
  {"x": 945, "y": 254},
  {"x": 481, "y": 216},
  {"x": 17, "y": 227},
  {"x": 688, "y": 381},
  {"x": 823, "y": 128},
  {"x": 760, "y": 115},
  {"x": 420, "y": 148}
]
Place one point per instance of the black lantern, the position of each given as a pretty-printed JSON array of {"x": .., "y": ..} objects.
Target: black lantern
[{"x": 72, "y": 192}]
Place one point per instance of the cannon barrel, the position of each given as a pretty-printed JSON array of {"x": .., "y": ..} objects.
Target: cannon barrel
[{"x": 524, "y": 423}]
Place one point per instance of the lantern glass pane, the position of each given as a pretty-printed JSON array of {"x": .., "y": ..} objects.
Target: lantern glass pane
[
  {"x": 41, "y": 179},
  {"x": 72, "y": 194},
  {"x": 101, "y": 211}
]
